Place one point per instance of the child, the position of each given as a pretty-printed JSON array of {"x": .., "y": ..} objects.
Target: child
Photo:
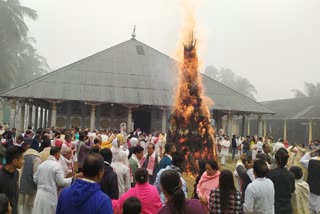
[
  {"x": 132, "y": 206},
  {"x": 300, "y": 198}
]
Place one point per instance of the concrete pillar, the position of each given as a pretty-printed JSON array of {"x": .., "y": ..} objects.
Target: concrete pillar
[
  {"x": 49, "y": 117},
  {"x": 83, "y": 116},
  {"x": 113, "y": 114},
  {"x": 36, "y": 117},
  {"x": 12, "y": 117},
  {"x": 164, "y": 120},
  {"x": 229, "y": 124},
  {"x": 285, "y": 129},
  {"x": 22, "y": 116},
  {"x": 243, "y": 132},
  {"x": 41, "y": 118},
  {"x": 260, "y": 127},
  {"x": 69, "y": 111},
  {"x": 45, "y": 123},
  {"x": 30, "y": 115},
  {"x": 129, "y": 125},
  {"x": 264, "y": 128},
  {"x": 53, "y": 114},
  {"x": 223, "y": 124},
  {"x": 248, "y": 129},
  {"x": 92, "y": 117},
  {"x": 98, "y": 115},
  {"x": 310, "y": 131}
]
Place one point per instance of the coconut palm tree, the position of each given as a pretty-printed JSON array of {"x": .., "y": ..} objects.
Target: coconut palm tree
[
  {"x": 13, "y": 30},
  {"x": 310, "y": 90}
]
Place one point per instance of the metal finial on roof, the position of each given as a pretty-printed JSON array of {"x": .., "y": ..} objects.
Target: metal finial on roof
[{"x": 134, "y": 32}]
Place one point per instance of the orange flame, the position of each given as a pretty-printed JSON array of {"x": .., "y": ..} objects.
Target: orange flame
[{"x": 190, "y": 118}]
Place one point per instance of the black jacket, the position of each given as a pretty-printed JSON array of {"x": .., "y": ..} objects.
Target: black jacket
[
  {"x": 284, "y": 185},
  {"x": 9, "y": 186},
  {"x": 109, "y": 183}
]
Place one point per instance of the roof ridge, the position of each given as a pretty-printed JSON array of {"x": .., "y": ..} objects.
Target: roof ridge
[{"x": 248, "y": 98}]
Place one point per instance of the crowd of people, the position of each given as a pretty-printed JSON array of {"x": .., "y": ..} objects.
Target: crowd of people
[
  {"x": 78, "y": 171},
  {"x": 271, "y": 176}
]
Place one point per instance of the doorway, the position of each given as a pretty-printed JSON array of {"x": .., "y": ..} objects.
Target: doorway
[{"x": 142, "y": 120}]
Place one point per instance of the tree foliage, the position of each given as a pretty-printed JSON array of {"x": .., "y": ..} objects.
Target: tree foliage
[
  {"x": 227, "y": 77},
  {"x": 310, "y": 90},
  {"x": 19, "y": 59}
]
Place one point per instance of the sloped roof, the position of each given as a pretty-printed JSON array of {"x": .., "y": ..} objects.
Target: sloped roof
[
  {"x": 295, "y": 108},
  {"x": 128, "y": 73}
]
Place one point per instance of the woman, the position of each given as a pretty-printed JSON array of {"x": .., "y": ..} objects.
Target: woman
[
  {"x": 283, "y": 181},
  {"x": 208, "y": 181},
  {"x": 176, "y": 202},
  {"x": 145, "y": 192},
  {"x": 122, "y": 171},
  {"x": 225, "y": 199}
]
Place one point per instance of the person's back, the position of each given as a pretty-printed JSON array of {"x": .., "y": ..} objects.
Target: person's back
[
  {"x": 192, "y": 206},
  {"x": 145, "y": 192},
  {"x": 82, "y": 197},
  {"x": 300, "y": 197},
  {"x": 262, "y": 191},
  {"x": 259, "y": 195},
  {"x": 283, "y": 181},
  {"x": 109, "y": 182}
]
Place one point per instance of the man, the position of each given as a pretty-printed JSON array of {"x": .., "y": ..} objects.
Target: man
[
  {"x": 84, "y": 195},
  {"x": 245, "y": 144},
  {"x": 28, "y": 188},
  {"x": 169, "y": 148},
  {"x": 259, "y": 195},
  {"x": 9, "y": 176},
  {"x": 260, "y": 144},
  {"x": 66, "y": 161},
  {"x": 313, "y": 166},
  {"x": 266, "y": 150},
  {"x": 46, "y": 145},
  {"x": 283, "y": 182},
  {"x": 19, "y": 141},
  {"x": 48, "y": 178},
  {"x": 109, "y": 182},
  {"x": 83, "y": 149},
  {"x": 278, "y": 145},
  {"x": 134, "y": 163},
  {"x": 225, "y": 144},
  {"x": 234, "y": 146},
  {"x": 150, "y": 161},
  {"x": 176, "y": 165}
]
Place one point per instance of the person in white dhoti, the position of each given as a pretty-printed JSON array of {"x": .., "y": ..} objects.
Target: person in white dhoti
[
  {"x": 225, "y": 144},
  {"x": 48, "y": 178},
  {"x": 313, "y": 166}
]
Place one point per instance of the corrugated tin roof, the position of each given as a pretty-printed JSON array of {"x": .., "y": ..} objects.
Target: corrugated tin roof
[
  {"x": 128, "y": 73},
  {"x": 296, "y": 108}
]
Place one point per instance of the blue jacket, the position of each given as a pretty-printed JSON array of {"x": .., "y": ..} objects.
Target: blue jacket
[{"x": 83, "y": 197}]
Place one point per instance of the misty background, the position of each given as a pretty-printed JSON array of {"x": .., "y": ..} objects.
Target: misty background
[{"x": 272, "y": 44}]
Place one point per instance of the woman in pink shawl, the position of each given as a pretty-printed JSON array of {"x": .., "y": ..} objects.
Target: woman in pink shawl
[
  {"x": 145, "y": 192},
  {"x": 208, "y": 181}
]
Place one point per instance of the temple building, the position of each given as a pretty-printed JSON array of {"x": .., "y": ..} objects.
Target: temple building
[
  {"x": 296, "y": 119},
  {"x": 130, "y": 82}
]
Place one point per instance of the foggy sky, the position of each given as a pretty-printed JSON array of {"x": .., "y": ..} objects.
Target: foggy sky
[{"x": 273, "y": 43}]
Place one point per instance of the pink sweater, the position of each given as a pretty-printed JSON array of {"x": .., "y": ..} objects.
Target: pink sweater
[
  {"x": 146, "y": 193},
  {"x": 207, "y": 183}
]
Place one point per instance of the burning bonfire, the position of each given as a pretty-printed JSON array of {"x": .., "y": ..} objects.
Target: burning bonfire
[{"x": 190, "y": 127}]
